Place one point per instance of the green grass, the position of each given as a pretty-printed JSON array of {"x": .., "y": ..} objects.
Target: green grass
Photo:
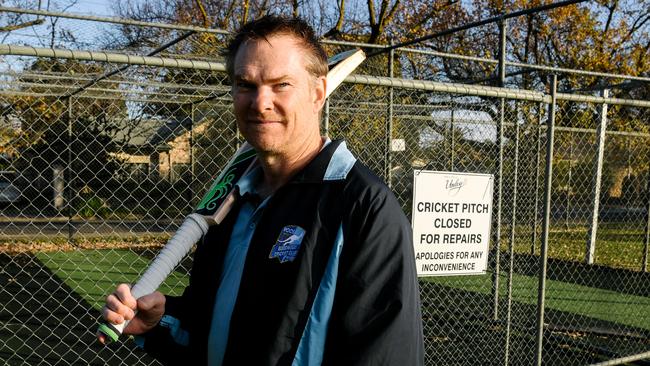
[
  {"x": 94, "y": 274},
  {"x": 618, "y": 245},
  {"x": 593, "y": 302}
]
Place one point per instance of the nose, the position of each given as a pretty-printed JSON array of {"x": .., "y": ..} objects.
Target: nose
[{"x": 262, "y": 100}]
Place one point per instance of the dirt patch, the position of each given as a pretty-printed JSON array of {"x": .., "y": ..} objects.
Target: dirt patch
[{"x": 137, "y": 243}]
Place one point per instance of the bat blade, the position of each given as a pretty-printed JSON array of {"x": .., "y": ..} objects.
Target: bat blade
[{"x": 341, "y": 65}]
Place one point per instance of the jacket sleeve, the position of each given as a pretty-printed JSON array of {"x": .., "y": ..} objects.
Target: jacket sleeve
[
  {"x": 168, "y": 341},
  {"x": 376, "y": 317}
]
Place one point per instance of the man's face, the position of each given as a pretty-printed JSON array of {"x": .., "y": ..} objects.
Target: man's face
[{"x": 277, "y": 101}]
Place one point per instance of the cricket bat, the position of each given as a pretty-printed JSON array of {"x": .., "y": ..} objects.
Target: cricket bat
[{"x": 215, "y": 205}]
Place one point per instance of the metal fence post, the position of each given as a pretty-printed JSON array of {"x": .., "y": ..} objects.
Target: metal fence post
[
  {"x": 389, "y": 125},
  {"x": 511, "y": 245},
  {"x": 646, "y": 236},
  {"x": 624, "y": 360},
  {"x": 537, "y": 162},
  {"x": 593, "y": 229},
  {"x": 541, "y": 289},
  {"x": 191, "y": 153},
  {"x": 452, "y": 146},
  {"x": 499, "y": 180},
  {"x": 70, "y": 180}
]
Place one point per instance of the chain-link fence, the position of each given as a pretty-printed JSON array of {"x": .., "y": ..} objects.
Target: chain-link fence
[{"x": 97, "y": 172}]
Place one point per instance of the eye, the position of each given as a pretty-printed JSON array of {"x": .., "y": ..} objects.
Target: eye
[
  {"x": 283, "y": 84},
  {"x": 241, "y": 84}
]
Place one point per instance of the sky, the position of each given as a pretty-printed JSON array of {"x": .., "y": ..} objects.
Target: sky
[
  {"x": 87, "y": 34},
  {"x": 94, "y": 7}
]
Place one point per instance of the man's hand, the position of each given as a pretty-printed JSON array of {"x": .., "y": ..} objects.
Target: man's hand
[{"x": 121, "y": 306}]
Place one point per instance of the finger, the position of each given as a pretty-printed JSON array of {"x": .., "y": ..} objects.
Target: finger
[
  {"x": 115, "y": 311},
  {"x": 111, "y": 316},
  {"x": 123, "y": 293}
]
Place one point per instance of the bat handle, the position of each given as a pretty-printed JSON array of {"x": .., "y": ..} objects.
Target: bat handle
[{"x": 190, "y": 232}]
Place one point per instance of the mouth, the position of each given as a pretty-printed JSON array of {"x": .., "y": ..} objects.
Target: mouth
[{"x": 260, "y": 121}]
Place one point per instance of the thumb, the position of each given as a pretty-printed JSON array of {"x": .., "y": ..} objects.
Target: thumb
[
  {"x": 153, "y": 302},
  {"x": 150, "y": 310}
]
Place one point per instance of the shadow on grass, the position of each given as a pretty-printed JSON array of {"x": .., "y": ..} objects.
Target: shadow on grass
[
  {"x": 591, "y": 275},
  {"x": 460, "y": 329},
  {"x": 42, "y": 321}
]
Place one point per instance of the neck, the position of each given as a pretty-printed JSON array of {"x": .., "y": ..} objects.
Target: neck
[{"x": 279, "y": 168}]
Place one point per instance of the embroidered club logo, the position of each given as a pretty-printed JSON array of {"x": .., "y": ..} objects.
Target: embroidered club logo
[{"x": 288, "y": 243}]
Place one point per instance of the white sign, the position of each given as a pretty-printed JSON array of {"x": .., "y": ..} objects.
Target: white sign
[
  {"x": 397, "y": 145},
  {"x": 452, "y": 217}
]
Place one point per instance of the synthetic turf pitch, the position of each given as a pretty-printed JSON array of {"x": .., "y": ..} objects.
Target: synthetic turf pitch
[{"x": 51, "y": 314}]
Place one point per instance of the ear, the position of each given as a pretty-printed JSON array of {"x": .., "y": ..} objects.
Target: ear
[{"x": 320, "y": 86}]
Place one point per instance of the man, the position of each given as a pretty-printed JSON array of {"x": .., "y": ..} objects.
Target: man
[{"x": 314, "y": 265}]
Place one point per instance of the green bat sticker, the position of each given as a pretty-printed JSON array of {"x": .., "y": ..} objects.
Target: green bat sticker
[{"x": 224, "y": 184}]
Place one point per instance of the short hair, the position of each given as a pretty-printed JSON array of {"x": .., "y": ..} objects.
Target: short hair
[{"x": 270, "y": 25}]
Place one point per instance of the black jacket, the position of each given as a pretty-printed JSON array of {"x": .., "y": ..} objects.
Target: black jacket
[{"x": 374, "y": 316}]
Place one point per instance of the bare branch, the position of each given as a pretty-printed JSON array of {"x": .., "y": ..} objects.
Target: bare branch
[
  {"x": 377, "y": 26},
  {"x": 14, "y": 27},
  {"x": 610, "y": 16},
  {"x": 392, "y": 12},
  {"x": 638, "y": 24},
  {"x": 371, "y": 13},
  {"x": 244, "y": 18},
  {"x": 228, "y": 14},
  {"x": 206, "y": 22},
  {"x": 339, "y": 23}
]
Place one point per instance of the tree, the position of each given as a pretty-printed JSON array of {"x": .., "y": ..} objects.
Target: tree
[
  {"x": 54, "y": 129},
  {"x": 607, "y": 36}
]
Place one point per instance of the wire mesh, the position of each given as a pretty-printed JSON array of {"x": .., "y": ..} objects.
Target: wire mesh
[{"x": 93, "y": 183}]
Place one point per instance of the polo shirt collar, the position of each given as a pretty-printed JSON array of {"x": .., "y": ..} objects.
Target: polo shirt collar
[
  {"x": 248, "y": 183},
  {"x": 332, "y": 163}
]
